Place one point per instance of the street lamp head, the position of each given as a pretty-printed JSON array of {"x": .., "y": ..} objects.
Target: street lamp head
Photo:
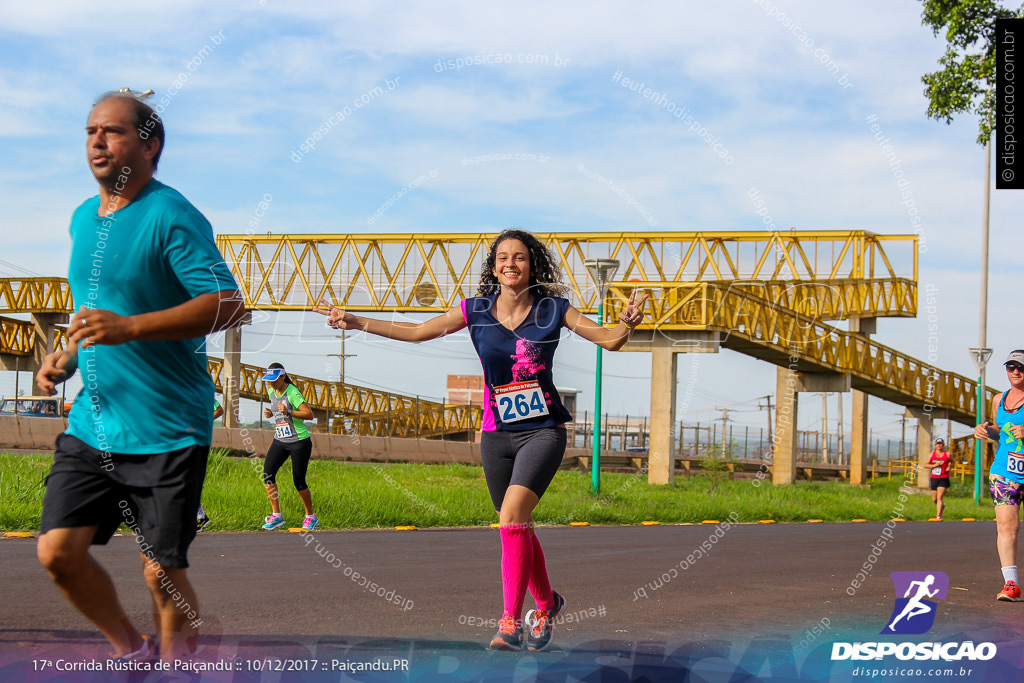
[
  {"x": 601, "y": 270},
  {"x": 980, "y": 357}
]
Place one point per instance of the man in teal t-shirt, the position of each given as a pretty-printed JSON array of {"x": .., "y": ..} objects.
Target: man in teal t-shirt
[{"x": 150, "y": 285}]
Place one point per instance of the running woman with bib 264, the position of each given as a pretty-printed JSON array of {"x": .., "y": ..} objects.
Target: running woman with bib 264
[
  {"x": 515, "y": 322},
  {"x": 1006, "y": 476}
]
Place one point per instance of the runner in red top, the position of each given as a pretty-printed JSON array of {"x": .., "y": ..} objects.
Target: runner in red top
[{"x": 938, "y": 461}]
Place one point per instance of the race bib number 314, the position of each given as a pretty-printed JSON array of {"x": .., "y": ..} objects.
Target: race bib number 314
[
  {"x": 520, "y": 401},
  {"x": 283, "y": 430}
]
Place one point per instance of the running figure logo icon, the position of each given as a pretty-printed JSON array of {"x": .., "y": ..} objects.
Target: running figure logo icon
[{"x": 913, "y": 613}]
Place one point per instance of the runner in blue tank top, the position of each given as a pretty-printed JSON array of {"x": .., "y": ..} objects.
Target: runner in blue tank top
[
  {"x": 514, "y": 323},
  {"x": 1006, "y": 476}
]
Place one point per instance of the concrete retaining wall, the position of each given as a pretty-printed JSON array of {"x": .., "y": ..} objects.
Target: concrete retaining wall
[{"x": 30, "y": 433}]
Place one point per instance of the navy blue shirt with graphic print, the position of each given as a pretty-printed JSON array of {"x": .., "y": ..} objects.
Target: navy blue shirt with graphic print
[{"x": 520, "y": 392}]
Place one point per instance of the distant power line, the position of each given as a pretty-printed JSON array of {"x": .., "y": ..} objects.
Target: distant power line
[{"x": 18, "y": 269}]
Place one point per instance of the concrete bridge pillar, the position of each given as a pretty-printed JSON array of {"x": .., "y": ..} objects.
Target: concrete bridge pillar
[
  {"x": 44, "y": 328},
  {"x": 233, "y": 371},
  {"x": 924, "y": 443},
  {"x": 789, "y": 383},
  {"x": 859, "y": 446},
  {"x": 664, "y": 345},
  {"x": 44, "y": 324},
  {"x": 660, "y": 458},
  {"x": 785, "y": 437},
  {"x": 321, "y": 415},
  {"x": 232, "y": 375}
]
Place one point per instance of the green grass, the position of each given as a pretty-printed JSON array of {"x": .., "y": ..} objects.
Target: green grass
[{"x": 368, "y": 495}]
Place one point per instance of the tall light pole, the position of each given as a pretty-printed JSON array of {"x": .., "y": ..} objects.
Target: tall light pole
[
  {"x": 981, "y": 354},
  {"x": 980, "y": 357},
  {"x": 601, "y": 270},
  {"x": 341, "y": 374}
]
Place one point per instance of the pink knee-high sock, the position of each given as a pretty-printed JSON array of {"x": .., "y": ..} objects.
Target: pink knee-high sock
[
  {"x": 540, "y": 587},
  {"x": 516, "y": 565}
]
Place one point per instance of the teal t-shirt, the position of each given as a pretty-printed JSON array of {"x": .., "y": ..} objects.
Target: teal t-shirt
[
  {"x": 287, "y": 429},
  {"x": 156, "y": 253}
]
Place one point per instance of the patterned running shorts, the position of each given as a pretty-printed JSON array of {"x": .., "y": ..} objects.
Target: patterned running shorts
[{"x": 1004, "y": 491}]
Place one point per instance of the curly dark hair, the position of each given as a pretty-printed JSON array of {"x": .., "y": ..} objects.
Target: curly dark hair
[{"x": 545, "y": 273}]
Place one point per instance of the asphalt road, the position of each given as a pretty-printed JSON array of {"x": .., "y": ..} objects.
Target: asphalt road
[{"x": 761, "y": 599}]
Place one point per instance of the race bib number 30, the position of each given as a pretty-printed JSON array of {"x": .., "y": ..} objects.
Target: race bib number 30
[
  {"x": 1015, "y": 463},
  {"x": 520, "y": 401}
]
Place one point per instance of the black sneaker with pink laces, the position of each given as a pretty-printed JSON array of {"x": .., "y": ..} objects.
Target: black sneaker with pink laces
[{"x": 541, "y": 625}]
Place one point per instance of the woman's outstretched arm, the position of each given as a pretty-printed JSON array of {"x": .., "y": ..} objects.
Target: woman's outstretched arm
[{"x": 438, "y": 326}]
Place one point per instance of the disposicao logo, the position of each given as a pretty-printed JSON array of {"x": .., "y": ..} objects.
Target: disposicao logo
[{"x": 913, "y": 614}]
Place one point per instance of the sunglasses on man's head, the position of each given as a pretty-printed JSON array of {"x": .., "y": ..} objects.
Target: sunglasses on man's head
[{"x": 1015, "y": 367}]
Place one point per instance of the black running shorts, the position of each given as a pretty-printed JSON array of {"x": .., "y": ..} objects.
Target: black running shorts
[
  {"x": 527, "y": 458},
  {"x": 155, "y": 494}
]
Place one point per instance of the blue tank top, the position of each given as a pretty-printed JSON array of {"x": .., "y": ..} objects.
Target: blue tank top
[
  {"x": 1009, "y": 459},
  {"x": 519, "y": 391}
]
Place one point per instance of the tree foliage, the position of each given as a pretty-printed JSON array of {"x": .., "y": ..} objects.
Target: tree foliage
[{"x": 968, "y": 70}]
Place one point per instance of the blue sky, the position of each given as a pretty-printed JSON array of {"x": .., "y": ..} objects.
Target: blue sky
[{"x": 515, "y": 132}]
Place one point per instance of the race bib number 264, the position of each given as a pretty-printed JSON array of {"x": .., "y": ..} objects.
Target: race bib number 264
[{"x": 520, "y": 401}]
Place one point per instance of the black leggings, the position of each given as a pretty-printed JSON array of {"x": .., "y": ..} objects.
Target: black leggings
[
  {"x": 279, "y": 452},
  {"x": 527, "y": 458}
]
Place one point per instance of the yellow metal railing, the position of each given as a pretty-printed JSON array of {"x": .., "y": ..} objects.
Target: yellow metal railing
[
  {"x": 904, "y": 466},
  {"x": 830, "y": 300},
  {"x": 959, "y": 469},
  {"x": 35, "y": 295},
  {"x": 360, "y": 410},
  {"x": 432, "y": 272},
  {"x": 771, "y": 331},
  {"x": 16, "y": 336}
]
